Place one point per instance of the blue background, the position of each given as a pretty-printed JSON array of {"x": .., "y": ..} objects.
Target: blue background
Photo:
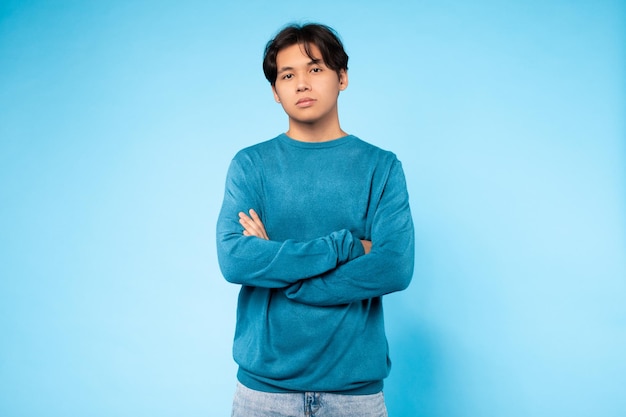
[{"x": 117, "y": 123}]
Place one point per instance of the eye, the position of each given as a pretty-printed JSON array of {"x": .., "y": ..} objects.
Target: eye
[
  {"x": 287, "y": 76},
  {"x": 316, "y": 69}
]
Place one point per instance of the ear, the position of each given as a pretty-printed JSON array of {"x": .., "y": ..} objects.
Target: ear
[
  {"x": 275, "y": 94},
  {"x": 343, "y": 80}
]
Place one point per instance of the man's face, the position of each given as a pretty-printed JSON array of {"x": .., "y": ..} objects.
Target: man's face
[{"x": 306, "y": 88}]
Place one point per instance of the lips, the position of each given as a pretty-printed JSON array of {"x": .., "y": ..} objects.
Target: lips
[{"x": 305, "y": 102}]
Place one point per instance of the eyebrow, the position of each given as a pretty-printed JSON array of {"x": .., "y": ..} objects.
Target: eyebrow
[{"x": 315, "y": 61}]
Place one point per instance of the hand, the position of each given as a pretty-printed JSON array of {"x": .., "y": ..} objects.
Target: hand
[
  {"x": 367, "y": 245},
  {"x": 252, "y": 225}
]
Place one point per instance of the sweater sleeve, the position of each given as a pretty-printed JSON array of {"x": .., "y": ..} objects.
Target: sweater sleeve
[
  {"x": 387, "y": 268},
  {"x": 257, "y": 262}
]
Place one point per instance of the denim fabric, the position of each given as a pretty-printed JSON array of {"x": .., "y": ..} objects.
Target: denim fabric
[{"x": 251, "y": 403}]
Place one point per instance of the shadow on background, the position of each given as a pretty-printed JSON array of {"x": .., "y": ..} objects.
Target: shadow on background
[{"x": 416, "y": 365}]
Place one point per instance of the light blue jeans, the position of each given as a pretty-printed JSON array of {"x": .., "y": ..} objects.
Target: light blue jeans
[{"x": 251, "y": 403}]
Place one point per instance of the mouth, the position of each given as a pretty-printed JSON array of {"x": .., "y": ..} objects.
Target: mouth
[{"x": 305, "y": 102}]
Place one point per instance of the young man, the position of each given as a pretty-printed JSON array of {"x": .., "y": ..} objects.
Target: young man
[{"x": 316, "y": 227}]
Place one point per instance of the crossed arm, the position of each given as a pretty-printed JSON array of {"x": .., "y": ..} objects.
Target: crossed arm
[
  {"x": 389, "y": 268},
  {"x": 253, "y": 226},
  {"x": 329, "y": 270}
]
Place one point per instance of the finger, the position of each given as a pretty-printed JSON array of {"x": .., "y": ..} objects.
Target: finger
[
  {"x": 245, "y": 221},
  {"x": 255, "y": 216},
  {"x": 252, "y": 220},
  {"x": 257, "y": 220},
  {"x": 249, "y": 225},
  {"x": 252, "y": 228}
]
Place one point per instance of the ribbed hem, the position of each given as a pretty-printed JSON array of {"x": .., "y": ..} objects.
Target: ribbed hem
[{"x": 253, "y": 383}]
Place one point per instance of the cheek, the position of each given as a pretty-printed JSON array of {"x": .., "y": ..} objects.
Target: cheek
[
  {"x": 332, "y": 91},
  {"x": 332, "y": 85},
  {"x": 278, "y": 90},
  {"x": 283, "y": 93}
]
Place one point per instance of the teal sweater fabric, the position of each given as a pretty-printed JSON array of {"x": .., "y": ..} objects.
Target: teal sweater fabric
[{"x": 310, "y": 315}]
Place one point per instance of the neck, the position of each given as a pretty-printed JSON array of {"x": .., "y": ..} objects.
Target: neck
[{"x": 315, "y": 132}]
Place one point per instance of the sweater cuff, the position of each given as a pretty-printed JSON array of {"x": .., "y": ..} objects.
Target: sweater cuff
[
  {"x": 347, "y": 247},
  {"x": 356, "y": 248}
]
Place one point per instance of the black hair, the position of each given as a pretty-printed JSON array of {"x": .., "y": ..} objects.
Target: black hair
[{"x": 324, "y": 37}]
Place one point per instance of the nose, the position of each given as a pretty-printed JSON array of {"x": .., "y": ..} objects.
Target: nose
[{"x": 303, "y": 84}]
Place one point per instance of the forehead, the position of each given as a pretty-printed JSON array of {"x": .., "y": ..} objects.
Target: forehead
[{"x": 295, "y": 55}]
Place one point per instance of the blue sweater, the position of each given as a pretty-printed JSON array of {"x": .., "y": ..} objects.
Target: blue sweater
[{"x": 310, "y": 316}]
